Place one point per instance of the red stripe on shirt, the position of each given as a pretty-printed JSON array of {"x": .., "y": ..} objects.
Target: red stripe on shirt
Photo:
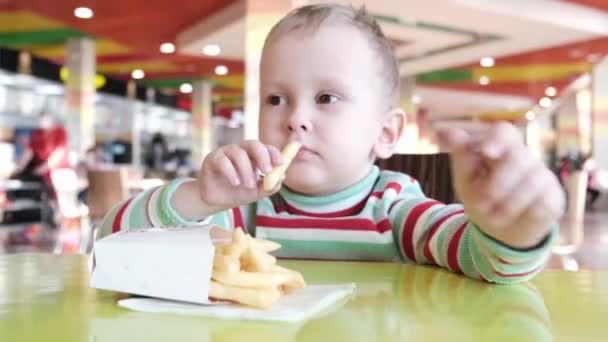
[
  {"x": 434, "y": 229},
  {"x": 505, "y": 262},
  {"x": 340, "y": 213},
  {"x": 238, "y": 219},
  {"x": 359, "y": 224},
  {"x": 392, "y": 185},
  {"x": 118, "y": 218},
  {"x": 278, "y": 208},
  {"x": 453, "y": 249},
  {"x": 407, "y": 237}
]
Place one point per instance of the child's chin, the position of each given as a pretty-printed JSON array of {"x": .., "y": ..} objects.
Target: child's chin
[{"x": 305, "y": 183}]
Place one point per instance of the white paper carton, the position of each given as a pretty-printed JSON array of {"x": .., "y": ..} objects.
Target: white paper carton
[{"x": 170, "y": 264}]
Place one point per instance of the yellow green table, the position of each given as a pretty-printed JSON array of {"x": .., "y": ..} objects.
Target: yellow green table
[{"x": 46, "y": 297}]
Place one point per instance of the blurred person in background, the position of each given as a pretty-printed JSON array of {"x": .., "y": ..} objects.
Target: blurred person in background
[
  {"x": 593, "y": 186},
  {"x": 47, "y": 151},
  {"x": 157, "y": 154}
]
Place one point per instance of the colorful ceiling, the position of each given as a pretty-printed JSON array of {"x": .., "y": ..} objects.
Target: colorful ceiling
[
  {"x": 126, "y": 42},
  {"x": 123, "y": 42},
  {"x": 527, "y": 74}
]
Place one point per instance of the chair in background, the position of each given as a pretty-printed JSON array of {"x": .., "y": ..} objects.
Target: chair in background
[
  {"x": 107, "y": 187},
  {"x": 432, "y": 171}
]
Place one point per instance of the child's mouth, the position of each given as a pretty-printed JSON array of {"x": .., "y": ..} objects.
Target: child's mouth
[{"x": 305, "y": 154}]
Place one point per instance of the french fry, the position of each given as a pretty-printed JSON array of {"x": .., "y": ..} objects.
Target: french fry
[
  {"x": 259, "y": 298},
  {"x": 295, "y": 282},
  {"x": 226, "y": 263},
  {"x": 253, "y": 260},
  {"x": 272, "y": 178},
  {"x": 237, "y": 247},
  {"x": 257, "y": 280},
  {"x": 263, "y": 245},
  {"x": 245, "y": 273}
]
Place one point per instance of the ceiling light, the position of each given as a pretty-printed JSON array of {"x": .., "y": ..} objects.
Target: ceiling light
[
  {"x": 167, "y": 48},
  {"x": 484, "y": 80},
  {"x": 416, "y": 99},
  {"x": 186, "y": 88},
  {"x": 594, "y": 57},
  {"x": 551, "y": 91},
  {"x": 83, "y": 13},
  {"x": 545, "y": 102},
  {"x": 138, "y": 74},
  {"x": 212, "y": 50},
  {"x": 530, "y": 115},
  {"x": 487, "y": 62},
  {"x": 221, "y": 70}
]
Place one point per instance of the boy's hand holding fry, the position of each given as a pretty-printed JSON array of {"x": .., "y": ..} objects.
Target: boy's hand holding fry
[
  {"x": 506, "y": 190},
  {"x": 231, "y": 176}
]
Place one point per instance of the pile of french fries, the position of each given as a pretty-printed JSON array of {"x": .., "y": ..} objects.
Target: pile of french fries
[{"x": 244, "y": 272}]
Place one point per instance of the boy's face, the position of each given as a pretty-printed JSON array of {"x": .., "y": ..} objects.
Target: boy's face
[{"x": 323, "y": 89}]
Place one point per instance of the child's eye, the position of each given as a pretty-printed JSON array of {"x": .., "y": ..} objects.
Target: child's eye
[
  {"x": 276, "y": 100},
  {"x": 326, "y": 99}
]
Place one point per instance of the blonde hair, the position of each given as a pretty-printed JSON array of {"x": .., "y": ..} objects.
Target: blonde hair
[{"x": 312, "y": 17}]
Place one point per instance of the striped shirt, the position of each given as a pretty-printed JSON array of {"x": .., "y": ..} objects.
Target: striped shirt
[{"x": 384, "y": 217}]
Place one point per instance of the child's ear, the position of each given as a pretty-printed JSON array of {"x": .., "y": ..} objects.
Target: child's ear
[{"x": 393, "y": 123}]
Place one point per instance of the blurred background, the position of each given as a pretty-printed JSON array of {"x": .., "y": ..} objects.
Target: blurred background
[{"x": 102, "y": 99}]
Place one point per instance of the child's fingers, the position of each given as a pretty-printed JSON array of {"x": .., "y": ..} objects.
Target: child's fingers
[
  {"x": 501, "y": 137},
  {"x": 506, "y": 176},
  {"x": 260, "y": 155},
  {"x": 519, "y": 201},
  {"x": 224, "y": 166},
  {"x": 275, "y": 155},
  {"x": 461, "y": 146},
  {"x": 240, "y": 159},
  {"x": 553, "y": 199}
]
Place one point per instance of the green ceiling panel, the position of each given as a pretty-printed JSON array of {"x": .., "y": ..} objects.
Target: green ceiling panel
[
  {"x": 453, "y": 75},
  {"x": 33, "y": 38}
]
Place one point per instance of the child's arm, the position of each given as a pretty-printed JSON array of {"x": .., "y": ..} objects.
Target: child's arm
[
  {"x": 226, "y": 184},
  {"x": 430, "y": 232},
  {"x": 155, "y": 208}
]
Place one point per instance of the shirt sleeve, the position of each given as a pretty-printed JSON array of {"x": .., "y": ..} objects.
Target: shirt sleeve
[
  {"x": 152, "y": 208},
  {"x": 429, "y": 232}
]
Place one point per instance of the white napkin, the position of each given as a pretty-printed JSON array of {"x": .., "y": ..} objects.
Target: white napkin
[{"x": 297, "y": 306}]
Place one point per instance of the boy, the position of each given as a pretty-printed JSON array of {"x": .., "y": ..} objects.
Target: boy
[{"x": 329, "y": 79}]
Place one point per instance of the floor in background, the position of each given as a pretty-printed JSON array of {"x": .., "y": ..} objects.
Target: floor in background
[{"x": 592, "y": 255}]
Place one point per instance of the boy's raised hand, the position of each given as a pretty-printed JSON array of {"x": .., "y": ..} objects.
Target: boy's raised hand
[
  {"x": 229, "y": 175},
  {"x": 506, "y": 190}
]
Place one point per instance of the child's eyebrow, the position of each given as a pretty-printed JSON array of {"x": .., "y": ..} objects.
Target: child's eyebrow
[
  {"x": 273, "y": 84},
  {"x": 334, "y": 84}
]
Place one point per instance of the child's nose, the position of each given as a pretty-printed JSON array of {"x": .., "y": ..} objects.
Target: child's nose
[
  {"x": 301, "y": 127},
  {"x": 299, "y": 123}
]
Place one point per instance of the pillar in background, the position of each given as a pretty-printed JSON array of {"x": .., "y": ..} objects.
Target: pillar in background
[
  {"x": 260, "y": 17},
  {"x": 24, "y": 65},
  {"x": 136, "y": 109},
  {"x": 600, "y": 114},
  {"x": 201, "y": 121},
  {"x": 409, "y": 142},
  {"x": 80, "y": 94}
]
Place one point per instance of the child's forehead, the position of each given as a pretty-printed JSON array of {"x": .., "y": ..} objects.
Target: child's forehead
[
  {"x": 328, "y": 40},
  {"x": 327, "y": 29}
]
